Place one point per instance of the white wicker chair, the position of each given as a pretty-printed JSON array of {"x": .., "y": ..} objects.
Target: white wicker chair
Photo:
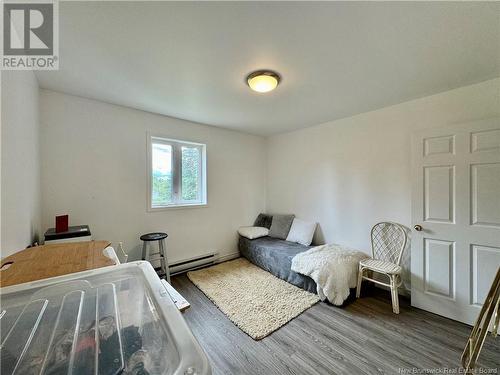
[{"x": 388, "y": 243}]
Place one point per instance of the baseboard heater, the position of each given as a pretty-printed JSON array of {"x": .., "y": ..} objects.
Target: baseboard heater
[{"x": 193, "y": 263}]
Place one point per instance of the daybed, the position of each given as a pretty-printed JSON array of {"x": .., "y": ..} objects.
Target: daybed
[{"x": 279, "y": 244}]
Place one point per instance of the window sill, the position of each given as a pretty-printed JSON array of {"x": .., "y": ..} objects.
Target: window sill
[{"x": 178, "y": 207}]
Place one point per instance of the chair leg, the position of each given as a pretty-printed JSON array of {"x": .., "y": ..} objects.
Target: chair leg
[
  {"x": 360, "y": 279},
  {"x": 394, "y": 294}
]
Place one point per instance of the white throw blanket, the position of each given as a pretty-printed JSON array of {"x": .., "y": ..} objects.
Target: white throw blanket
[{"x": 334, "y": 268}]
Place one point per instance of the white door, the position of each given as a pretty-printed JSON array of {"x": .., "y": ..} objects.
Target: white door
[{"x": 456, "y": 202}]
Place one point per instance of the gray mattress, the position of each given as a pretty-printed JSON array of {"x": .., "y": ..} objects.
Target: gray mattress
[{"x": 275, "y": 256}]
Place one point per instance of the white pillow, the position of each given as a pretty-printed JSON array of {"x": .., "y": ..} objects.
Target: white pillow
[
  {"x": 253, "y": 232},
  {"x": 301, "y": 232}
]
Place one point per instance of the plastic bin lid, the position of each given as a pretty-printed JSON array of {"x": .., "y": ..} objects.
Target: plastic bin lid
[{"x": 114, "y": 320}]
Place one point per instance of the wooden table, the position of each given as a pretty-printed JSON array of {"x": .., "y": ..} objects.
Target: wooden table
[{"x": 42, "y": 262}]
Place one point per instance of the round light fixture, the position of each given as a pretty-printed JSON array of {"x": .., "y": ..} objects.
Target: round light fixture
[{"x": 263, "y": 80}]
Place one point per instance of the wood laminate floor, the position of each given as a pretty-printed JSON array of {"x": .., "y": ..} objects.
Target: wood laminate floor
[{"x": 364, "y": 337}]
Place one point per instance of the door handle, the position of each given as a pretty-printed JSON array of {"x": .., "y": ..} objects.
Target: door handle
[{"x": 418, "y": 228}]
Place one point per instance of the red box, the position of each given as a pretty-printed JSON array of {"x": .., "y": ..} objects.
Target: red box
[{"x": 62, "y": 223}]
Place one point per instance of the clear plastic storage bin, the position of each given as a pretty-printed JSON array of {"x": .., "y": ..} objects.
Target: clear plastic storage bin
[{"x": 113, "y": 320}]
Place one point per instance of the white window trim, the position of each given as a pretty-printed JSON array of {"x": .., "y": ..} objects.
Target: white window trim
[{"x": 176, "y": 161}]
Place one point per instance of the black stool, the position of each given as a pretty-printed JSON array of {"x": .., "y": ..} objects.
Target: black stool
[{"x": 161, "y": 255}]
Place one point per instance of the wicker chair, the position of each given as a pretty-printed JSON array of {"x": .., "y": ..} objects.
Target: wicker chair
[{"x": 388, "y": 243}]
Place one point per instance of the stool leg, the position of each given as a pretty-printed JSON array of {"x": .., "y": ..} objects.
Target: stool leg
[
  {"x": 144, "y": 250},
  {"x": 162, "y": 256},
  {"x": 164, "y": 262}
]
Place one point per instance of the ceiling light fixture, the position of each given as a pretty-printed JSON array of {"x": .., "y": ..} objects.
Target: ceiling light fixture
[{"x": 263, "y": 80}]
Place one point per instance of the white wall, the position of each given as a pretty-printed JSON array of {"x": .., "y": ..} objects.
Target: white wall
[
  {"x": 20, "y": 162},
  {"x": 351, "y": 173},
  {"x": 94, "y": 167}
]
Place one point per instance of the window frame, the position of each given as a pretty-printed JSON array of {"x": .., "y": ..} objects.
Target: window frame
[{"x": 177, "y": 145}]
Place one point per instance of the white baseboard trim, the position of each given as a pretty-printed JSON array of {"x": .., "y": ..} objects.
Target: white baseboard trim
[{"x": 226, "y": 257}]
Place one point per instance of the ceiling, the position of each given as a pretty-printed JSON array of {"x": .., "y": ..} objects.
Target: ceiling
[{"x": 189, "y": 60}]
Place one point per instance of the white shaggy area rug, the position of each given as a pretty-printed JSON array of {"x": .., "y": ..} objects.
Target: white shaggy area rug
[{"x": 253, "y": 299}]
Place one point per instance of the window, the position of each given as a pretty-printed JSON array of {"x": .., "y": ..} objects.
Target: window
[{"x": 177, "y": 173}]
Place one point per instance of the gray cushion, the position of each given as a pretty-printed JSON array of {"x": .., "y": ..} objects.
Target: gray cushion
[
  {"x": 281, "y": 226},
  {"x": 276, "y": 256},
  {"x": 263, "y": 220}
]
